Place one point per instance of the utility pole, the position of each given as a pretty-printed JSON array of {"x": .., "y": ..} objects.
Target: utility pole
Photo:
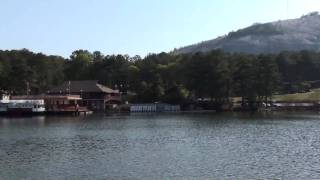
[
  {"x": 28, "y": 88},
  {"x": 69, "y": 86}
]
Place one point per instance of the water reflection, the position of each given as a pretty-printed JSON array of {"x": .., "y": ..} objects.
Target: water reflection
[
  {"x": 157, "y": 146},
  {"x": 39, "y": 120}
]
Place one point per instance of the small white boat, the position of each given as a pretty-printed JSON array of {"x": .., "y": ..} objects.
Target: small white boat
[{"x": 21, "y": 107}]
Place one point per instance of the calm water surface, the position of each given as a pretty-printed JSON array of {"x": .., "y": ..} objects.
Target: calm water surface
[{"x": 167, "y": 146}]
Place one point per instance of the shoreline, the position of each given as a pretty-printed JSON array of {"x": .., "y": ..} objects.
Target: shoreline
[{"x": 162, "y": 113}]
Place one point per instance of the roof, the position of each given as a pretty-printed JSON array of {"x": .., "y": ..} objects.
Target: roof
[
  {"x": 82, "y": 86},
  {"x": 27, "y": 97},
  {"x": 42, "y": 97},
  {"x": 65, "y": 97}
]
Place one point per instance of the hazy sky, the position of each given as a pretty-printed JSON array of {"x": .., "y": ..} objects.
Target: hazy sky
[{"x": 132, "y": 26}]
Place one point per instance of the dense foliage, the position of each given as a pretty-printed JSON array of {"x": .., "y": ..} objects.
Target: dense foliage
[{"x": 214, "y": 76}]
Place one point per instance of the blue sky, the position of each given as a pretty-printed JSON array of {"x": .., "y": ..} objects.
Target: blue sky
[{"x": 134, "y": 27}]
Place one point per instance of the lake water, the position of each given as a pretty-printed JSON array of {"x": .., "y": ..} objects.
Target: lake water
[{"x": 161, "y": 146}]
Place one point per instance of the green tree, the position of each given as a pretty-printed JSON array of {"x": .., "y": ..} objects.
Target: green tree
[
  {"x": 245, "y": 80},
  {"x": 268, "y": 77}
]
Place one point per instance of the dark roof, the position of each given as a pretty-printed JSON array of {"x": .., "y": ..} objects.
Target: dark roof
[
  {"x": 41, "y": 97},
  {"x": 82, "y": 86}
]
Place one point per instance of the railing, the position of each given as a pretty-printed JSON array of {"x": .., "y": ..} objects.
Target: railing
[
  {"x": 113, "y": 98},
  {"x": 66, "y": 108}
]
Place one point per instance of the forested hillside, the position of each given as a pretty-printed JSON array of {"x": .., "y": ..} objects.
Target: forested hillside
[
  {"x": 274, "y": 37},
  {"x": 164, "y": 77}
]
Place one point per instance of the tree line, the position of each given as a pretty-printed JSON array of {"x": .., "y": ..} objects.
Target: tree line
[{"x": 215, "y": 76}]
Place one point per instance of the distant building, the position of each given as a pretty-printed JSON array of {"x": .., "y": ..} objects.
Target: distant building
[
  {"x": 94, "y": 95},
  {"x": 154, "y": 107}
]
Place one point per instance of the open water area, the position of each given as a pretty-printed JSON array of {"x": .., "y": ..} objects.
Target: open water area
[{"x": 161, "y": 146}]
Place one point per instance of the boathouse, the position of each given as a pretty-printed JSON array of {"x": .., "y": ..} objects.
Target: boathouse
[
  {"x": 95, "y": 96},
  {"x": 154, "y": 107}
]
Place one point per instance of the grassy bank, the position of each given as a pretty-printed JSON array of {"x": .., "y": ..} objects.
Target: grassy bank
[{"x": 313, "y": 95}]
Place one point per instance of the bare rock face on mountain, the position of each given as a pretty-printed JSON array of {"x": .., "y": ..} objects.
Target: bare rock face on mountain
[{"x": 289, "y": 35}]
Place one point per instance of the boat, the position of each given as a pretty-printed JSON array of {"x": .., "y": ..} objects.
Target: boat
[
  {"x": 65, "y": 104},
  {"x": 42, "y": 104},
  {"x": 21, "y": 107}
]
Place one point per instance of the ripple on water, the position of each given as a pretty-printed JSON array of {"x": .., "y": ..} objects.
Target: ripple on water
[{"x": 186, "y": 146}]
